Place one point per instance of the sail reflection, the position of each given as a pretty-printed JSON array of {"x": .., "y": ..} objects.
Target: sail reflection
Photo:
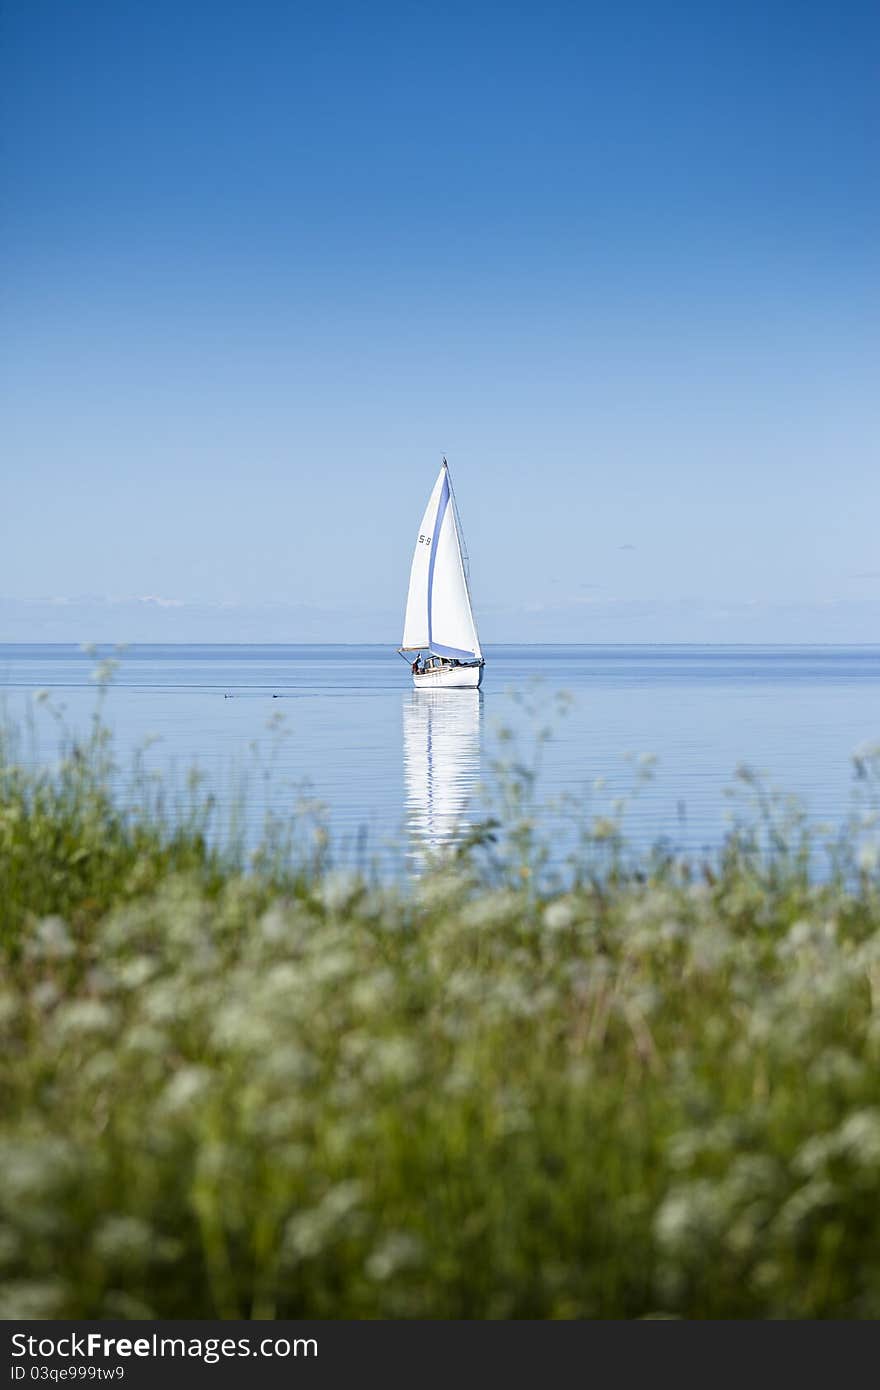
[{"x": 441, "y": 763}]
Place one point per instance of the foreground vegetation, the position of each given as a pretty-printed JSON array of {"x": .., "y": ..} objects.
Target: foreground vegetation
[{"x": 282, "y": 1090}]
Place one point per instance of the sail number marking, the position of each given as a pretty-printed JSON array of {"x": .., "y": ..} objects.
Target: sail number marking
[{"x": 424, "y": 540}]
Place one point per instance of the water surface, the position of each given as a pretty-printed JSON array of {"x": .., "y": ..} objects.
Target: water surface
[{"x": 400, "y": 771}]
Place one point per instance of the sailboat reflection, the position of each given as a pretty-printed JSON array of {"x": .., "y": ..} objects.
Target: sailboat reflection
[{"x": 441, "y": 763}]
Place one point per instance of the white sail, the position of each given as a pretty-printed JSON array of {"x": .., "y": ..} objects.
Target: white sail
[
  {"x": 438, "y": 608},
  {"x": 415, "y": 624}
]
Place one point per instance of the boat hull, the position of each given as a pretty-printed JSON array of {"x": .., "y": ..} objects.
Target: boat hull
[{"x": 450, "y": 678}]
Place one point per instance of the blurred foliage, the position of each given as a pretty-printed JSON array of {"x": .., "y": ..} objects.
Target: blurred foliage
[{"x": 283, "y": 1090}]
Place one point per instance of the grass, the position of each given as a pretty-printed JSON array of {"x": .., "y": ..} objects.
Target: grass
[{"x": 281, "y": 1090}]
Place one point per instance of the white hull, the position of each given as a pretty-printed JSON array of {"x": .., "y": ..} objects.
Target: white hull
[{"x": 450, "y": 678}]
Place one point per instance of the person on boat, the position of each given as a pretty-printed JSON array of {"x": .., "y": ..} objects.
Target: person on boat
[{"x": 415, "y": 667}]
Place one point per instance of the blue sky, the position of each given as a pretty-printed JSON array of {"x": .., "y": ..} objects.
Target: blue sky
[{"x": 263, "y": 263}]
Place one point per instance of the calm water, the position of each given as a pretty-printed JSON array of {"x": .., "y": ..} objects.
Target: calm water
[{"x": 400, "y": 770}]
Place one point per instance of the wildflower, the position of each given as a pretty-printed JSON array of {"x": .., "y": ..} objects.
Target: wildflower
[
  {"x": 50, "y": 940},
  {"x": 397, "y": 1251},
  {"x": 559, "y": 915}
]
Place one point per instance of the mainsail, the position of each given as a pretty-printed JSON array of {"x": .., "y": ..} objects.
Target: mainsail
[{"x": 438, "y": 607}]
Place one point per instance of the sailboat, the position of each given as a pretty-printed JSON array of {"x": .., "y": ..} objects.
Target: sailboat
[{"x": 439, "y": 618}]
